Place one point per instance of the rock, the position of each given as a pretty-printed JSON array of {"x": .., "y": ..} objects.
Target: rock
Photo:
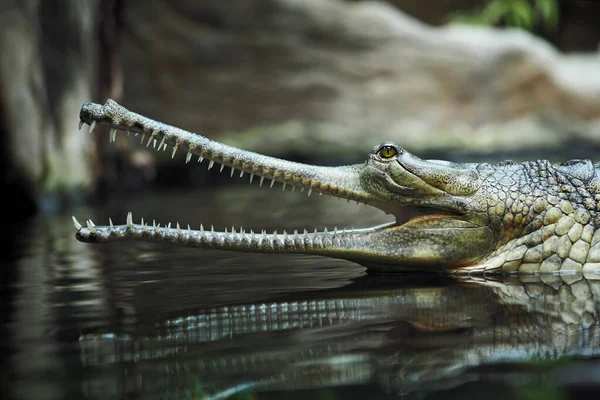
[{"x": 328, "y": 78}]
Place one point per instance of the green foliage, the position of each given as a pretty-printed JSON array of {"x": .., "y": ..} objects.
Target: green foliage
[{"x": 525, "y": 14}]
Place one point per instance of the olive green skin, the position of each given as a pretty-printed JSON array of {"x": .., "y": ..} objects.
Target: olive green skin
[{"x": 527, "y": 217}]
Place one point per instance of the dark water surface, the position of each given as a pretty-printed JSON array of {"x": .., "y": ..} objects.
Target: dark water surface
[{"x": 141, "y": 321}]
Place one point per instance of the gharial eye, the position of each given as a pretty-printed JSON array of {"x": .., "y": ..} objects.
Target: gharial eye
[{"x": 387, "y": 151}]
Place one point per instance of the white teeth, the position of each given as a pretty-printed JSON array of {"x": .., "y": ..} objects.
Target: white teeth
[
  {"x": 222, "y": 166},
  {"x": 161, "y": 143},
  {"x": 241, "y": 173},
  {"x": 210, "y": 164},
  {"x": 232, "y": 171},
  {"x": 112, "y": 228},
  {"x": 169, "y": 225},
  {"x": 174, "y": 151},
  {"x": 188, "y": 157},
  {"x": 262, "y": 179},
  {"x": 76, "y": 223},
  {"x": 142, "y": 222},
  {"x": 200, "y": 158},
  {"x": 164, "y": 147},
  {"x": 154, "y": 224},
  {"x": 80, "y": 124},
  {"x": 113, "y": 135},
  {"x": 272, "y": 183},
  {"x": 309, "y": 191},
  {"x": 201, "y": 228},
  {"x": 251, "y": 177},
  {"x": 92, "y": 126},
  {"x": 189, "y": 229},
  {"x": 129, "y": 220},
  {"x": 154, "y": 142},
  {"x": 143, "y": 137},
  {"x": 91, "y": 226},
  {"x": 296, "y": 236},
  {"x": 149, "y": 141},
  {"x": 283, "y": 188},
  {"x": 302, "y": 190},
  {"x": 179, "y": 231}
]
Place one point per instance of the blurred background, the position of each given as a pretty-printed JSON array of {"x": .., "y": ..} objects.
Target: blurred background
[{"x": 320, "y": 81}]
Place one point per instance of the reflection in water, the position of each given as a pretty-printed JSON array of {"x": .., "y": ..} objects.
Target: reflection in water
[
  {"x": 411, "y": 336},
  {"x": 132, "y": 320}
]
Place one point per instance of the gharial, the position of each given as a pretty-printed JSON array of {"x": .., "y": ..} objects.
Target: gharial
[{"x": 477, "y": 217}]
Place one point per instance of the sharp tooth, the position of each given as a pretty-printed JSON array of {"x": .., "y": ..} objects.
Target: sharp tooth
[
  {"x": 113, "y": 134},
  {"x": 189, "y": 229},
  {"x": 92, "y": 126},
  {"x": 142, "y": 222},
  {"x": 210, "y": 164},
  {"x": 309, "y": 191},
  {"x": 305, "y": 232},
  {"x": 272, "y": 183},
  {"x": 241, "y": 173},
  {"x": 143, "y": 137},
  {"x": 188, "y": 157},
  {"x": 232, "y": 229},
  {"x": 212, "y": 229},
  {"x": 201, "y": 229},
  {"x": 179, "y": 231},
  {"x": 251, "y": 177},
  {"x": 200, "y": 158},
  {"x": 112, "y": 227},
  {"x": 145, "y": 227},
  {"x": 174, "y": 151},
  {"x": 154, "y": 224},
  {"x": 302, "y": 190},
  {"x": 222, "y": 166},
  {"x": 232, "y": 171},
  {"x": 161, "y": 143},
  {"x": 129, "y": 219},
  {"x": 154, "y": 142},
  {"x": 91, "y": 226},
  {"x": 262, "y": 179},
  {"x": 80, "y": 124},
  {"x": 296, "y": 236},
  {"x": 76, "y": 223},
  {"x": 164, "y": 147},
  {"x": 325, "y": 230},
  {"x": 169, "y": 226},
  {"x": 158, "y": 226},
  {"x": 283, "y": 187},
  {"x": 335, "y": 230},
  {"x": 137, "y": 133}
]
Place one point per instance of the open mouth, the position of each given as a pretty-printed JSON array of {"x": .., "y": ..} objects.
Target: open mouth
[{"x": 423, "y": 206}]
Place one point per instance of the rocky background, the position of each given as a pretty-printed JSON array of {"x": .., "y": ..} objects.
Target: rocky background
[{"x": 314, "y": 80}]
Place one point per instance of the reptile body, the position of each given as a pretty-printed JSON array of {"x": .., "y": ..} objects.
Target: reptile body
[{"x": 526, "y": 217}]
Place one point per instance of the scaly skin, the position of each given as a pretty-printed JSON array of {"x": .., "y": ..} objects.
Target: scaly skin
[{"x": 529, "y": 217}]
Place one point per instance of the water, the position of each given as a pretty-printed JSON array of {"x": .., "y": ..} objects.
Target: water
[{"x": 141, "y": 321}]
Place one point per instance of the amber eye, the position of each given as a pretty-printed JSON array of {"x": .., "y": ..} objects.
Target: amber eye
[{"x": 387, "y": 151}]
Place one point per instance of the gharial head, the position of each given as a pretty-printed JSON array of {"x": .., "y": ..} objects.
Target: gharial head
[{"x": 440, "y": 221}]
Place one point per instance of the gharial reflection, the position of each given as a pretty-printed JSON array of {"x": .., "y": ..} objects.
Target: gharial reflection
[{"x": 404, "y": 334}]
